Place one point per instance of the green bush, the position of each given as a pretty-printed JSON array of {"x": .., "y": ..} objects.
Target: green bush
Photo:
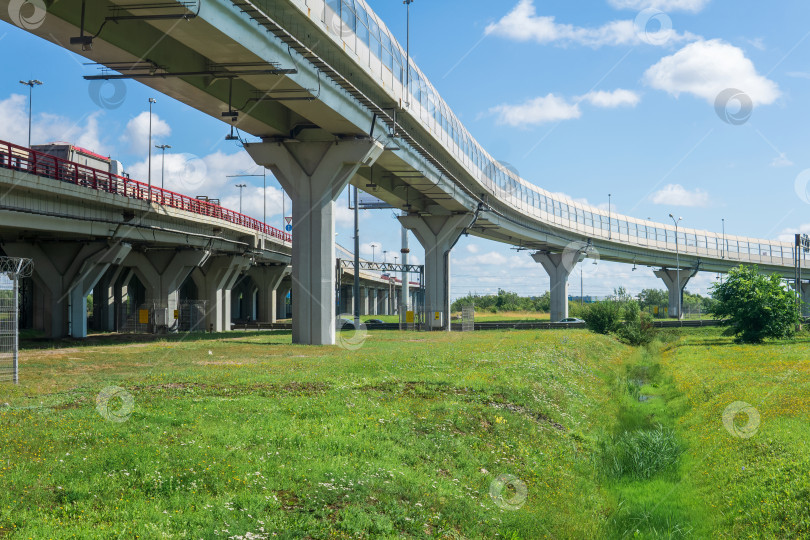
[
  {"x": 638, "y": 328},
  {"x": 754, "y": 306},
  {"x": 603, "y": 317}
]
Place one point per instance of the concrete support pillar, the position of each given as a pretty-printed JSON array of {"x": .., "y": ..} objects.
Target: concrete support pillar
[
  {"x": 268, "y": 279},
  {"x": 670, "y": 278},
  {"x": 221, "y": 273},
  {"x": 364, "y": 301},
  {"x": 314, "y": 174},
  {"x": 437, "y": 235},
  {"x": 281, "y": 298},
  {"x": 162, "y": 273},
  {"x": 559, "y": 266},
  {"x": 66, "y": 273},
  {"x": 105, "y": 295}
]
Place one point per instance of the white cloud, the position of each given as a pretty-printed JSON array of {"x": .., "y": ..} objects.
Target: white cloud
[
  {"x": 472, "y": 248},
  {"x": 136, "y": 134},
  {"x": 539, "y": 110},
  {"x": 706, "y": 68},
  {"x": 552, "y": 108},
  {"x": 677, "y": 195},
  {"x": 789, "y": 234},
  {"x": 616, "y": 98},
  {"x": 523, "y": 24},
  {"x": 781, "y": 161},
  {"x": 692, "y": 6},
  {"x": 47, "y": 127}
]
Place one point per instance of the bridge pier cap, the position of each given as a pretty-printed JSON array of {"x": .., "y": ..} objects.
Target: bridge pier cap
[
  {"x": 314, "y": 174},
  {"x": 559, "y": 266}
]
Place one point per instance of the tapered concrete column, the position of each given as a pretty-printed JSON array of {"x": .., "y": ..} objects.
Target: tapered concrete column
[
  {"x": 670, "y": 278},
  {"x": 314, "y": 174},
  {"x": 438, "y": 235},
  {"x": 281, "y": 298},
  {"x": 104, "y": 295},
  {"x": 363, "y": 301},
  {"x": 559, "y": 266},
  {"x": 268, "y": 279},
  {"x": 221, "y": 273},
  {"x": 66, "y": 273},
  {"x": 163, "y": 272}
]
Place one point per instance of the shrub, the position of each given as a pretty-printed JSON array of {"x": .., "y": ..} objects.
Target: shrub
[
  {"x": 754, "y": 306},
  {"x": 603, "y": 317},
  {"x": 637, "y": 329}
]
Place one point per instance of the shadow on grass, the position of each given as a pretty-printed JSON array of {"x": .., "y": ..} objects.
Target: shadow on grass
[{"x": 28, "y": 342}]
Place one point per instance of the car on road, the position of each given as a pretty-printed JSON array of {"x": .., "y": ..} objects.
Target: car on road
[
  {"x": 571, "y": 320},
  {"x": 344, "y": 324},
  {"x": 375, "y": 321}
]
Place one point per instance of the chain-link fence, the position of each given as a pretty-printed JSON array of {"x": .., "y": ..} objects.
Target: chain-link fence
[
  {"x": 467, "y": 318},
  {"x": 151, "y": 317},
  {"x": 191, "y": 316},
  {"x": 12, "y": 270}
]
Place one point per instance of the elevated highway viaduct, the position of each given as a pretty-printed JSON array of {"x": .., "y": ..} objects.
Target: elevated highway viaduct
[{"x": 328, "y": 98}]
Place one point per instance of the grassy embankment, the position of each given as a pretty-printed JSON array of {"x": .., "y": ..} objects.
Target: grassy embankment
[{"x": 405, "y": 437}]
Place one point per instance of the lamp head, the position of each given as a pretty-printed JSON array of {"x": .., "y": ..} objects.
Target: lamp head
[{"x": 152, "y": 100}]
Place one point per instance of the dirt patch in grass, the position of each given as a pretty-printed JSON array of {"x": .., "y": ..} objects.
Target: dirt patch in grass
[{"x": 519, "y": 409}]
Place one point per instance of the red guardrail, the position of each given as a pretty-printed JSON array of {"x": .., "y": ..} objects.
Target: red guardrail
[{"x": 24, "y": 159}]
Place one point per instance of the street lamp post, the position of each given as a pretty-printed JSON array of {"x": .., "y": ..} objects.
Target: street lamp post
[
  {"x": 678, "y": 264},
  {"x": 30, "y": 84},
  {"x": 264, "y": 193},
  {"x": 373, "y": 252},
  {"x": 163, "y": 147},
  {"x": 241, "y": 187},
  {"x": 610, "y": 221},
  {"x": 149, "y": 173},
  {"x": 407, "y": 50}
]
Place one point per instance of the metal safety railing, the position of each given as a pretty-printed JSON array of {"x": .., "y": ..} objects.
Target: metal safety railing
[{"x": 24, "y": 159}]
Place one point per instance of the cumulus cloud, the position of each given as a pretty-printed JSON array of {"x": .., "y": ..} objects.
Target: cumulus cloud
[
  {"x": 48, "y": 127},
  {"x": 692, "y": 6},
  {"x": 706, "y": 68},
  {"x": 553, "y": 108},
  {"x": 523, "y": 24},
  {"x": 781, "y": 161},
  {"x": 789, "y": 234},
  {"x": 609, "y": 100},
  {"x": 677, "y": 195},
  {"x": 539, "y": 110},
  {"x": 136, "y": 134}
]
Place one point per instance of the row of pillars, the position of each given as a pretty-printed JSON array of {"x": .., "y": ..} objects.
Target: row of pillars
[
  {"x": 373, "y": 300},
  {"x": 66, "y": 273}
]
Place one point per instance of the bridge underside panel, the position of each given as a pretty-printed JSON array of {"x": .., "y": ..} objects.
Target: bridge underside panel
[{"x": 314, "y": 174}]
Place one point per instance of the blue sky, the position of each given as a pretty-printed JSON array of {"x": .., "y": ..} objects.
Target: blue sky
[{"x": 582, "y": 98}]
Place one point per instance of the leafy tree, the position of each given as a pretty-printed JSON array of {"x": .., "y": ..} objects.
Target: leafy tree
[
  {"x": 756, "y": 307},
  {"x": 603, "y": 317},
  {"x": 637, "y": 328},
  {"x": 652, "y": 297}
]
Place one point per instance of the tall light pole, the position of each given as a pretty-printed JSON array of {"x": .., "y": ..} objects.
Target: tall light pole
[
  {"x": 163, "y": 147},
  {"x": 30, "y": 84},
  {"x": 373, "y": 252},
  {"x": 407, "y": 50},
  {"x": 264, "y": 193},
  {"x": 678, "y": 264},
  {"x": 241, "y": 187},
  {"x": 149, "y": 174},
  {"x": 610, "y": 224},
  {"x": 723, "y": 249}
]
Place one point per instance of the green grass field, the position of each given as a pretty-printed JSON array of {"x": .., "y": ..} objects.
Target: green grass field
[{"x": 510, "y": 434}]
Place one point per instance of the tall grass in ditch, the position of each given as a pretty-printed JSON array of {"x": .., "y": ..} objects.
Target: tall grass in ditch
[{"x": 641, "y": 446}]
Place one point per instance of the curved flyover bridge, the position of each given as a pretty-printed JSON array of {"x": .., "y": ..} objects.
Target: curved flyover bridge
[{"x": 325, "y": 86}]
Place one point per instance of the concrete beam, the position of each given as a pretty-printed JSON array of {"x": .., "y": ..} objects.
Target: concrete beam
[
  {"x": 314, "y": 174},
  {"x": 437, "y": 235}
]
